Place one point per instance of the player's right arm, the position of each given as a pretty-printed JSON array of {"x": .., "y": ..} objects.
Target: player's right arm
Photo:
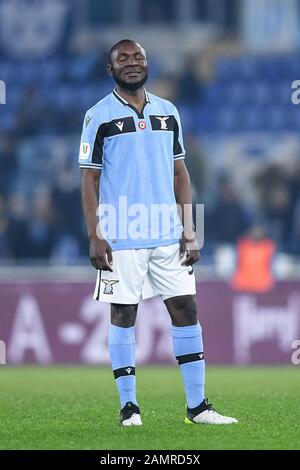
[
  {"x": 90, "y": 162},
  {"x": 100, "y": 250}
]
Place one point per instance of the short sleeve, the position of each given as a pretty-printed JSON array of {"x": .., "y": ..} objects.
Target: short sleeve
[
  {"x": 178, "y": 146},
  {"x": 91, "y": 143}
]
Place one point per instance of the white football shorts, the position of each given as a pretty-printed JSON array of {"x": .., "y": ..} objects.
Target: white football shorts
[{"x": 144, "y": 273}]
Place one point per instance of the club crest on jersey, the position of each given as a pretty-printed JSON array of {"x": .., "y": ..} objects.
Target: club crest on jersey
[
  {"x": 85, "y": 150},
  {"x": 108, "y": 289},
  {"x": 142, "y": 125},
  {"x": 163, "y": 123}
]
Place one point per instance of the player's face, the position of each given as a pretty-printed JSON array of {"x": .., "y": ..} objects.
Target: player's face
[{"x": 129, "y": 66}]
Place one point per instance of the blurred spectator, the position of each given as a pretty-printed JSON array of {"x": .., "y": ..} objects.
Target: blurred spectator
[
  {"x": 165, "y": 85},
  {"x": 157, "y": 11},
  {"x": 98, "y": 64},
  {"x": 40, "y": 226},
  {"x": 275, "y": 190},
  {"x": 293, "y": 240},
  {"x": 8, "y": 162},
  {"x": 32, "y": 112},
  {"x": 4, "y": 246},
  {"x": 195, "y": 164},
  {"x": 67, "y": 203},
  {"x": 228, "y": 220},
  {"x": 189, "y": 86},
  {"x": 254, "y": 262},
  {"x": 17, "y": 229}
]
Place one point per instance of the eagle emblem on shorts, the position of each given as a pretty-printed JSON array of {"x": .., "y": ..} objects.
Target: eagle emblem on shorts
[{"x": 108, "y": 289}]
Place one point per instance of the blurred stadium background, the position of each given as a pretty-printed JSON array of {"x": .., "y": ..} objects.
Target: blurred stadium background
[{"x": 229, "y": 66}]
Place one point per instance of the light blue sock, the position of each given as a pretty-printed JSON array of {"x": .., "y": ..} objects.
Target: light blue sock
[
  {"x": 188, "y": 348},
  {"x": 121, "y": 344}
]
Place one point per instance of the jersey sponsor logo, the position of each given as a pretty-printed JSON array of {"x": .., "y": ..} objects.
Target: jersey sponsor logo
[
  {"x": 88, "y": 120},
  {"x": 108, "y": 289},
  {"x": 142, "y": 125},
  {"x": 120, "y": 125},
  {"x": 85, "y": 150},
  {"x": 163, "y": 122}
]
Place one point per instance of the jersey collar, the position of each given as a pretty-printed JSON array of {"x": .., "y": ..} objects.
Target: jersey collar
[
  {"x": 140, "y": 115},
  {"x": 124, "y": 102}
]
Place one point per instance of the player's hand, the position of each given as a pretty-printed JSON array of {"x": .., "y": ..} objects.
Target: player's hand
[
  {"x": 189, "y": 248},
  {"x": 100, "y": 254}
]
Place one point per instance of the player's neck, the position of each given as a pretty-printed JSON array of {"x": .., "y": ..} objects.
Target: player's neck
[{"x": 136, "y": 98}]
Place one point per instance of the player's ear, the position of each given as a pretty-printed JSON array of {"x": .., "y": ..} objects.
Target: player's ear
[{"x": 109, "y": 69}]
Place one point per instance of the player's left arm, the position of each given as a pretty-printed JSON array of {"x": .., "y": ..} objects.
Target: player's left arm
[{"x": 183, "y": 195}]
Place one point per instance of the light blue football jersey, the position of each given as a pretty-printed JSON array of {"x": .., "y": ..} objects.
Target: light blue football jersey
[{"x": 135, "y": 152}]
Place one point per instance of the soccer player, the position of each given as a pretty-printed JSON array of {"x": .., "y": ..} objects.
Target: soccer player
[{"x": 132, "y": 163}]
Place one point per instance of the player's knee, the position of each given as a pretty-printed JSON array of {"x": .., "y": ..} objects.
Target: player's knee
[
  {"x": 189, "y": 313},
  {"x": 183, "y": 310},
  {"x": 123, "y": 315}
]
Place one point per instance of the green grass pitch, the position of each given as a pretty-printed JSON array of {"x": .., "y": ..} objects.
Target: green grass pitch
[{"x": 77, "y": 408}]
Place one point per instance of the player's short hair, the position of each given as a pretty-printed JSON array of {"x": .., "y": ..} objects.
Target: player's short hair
[{"x": 115, "y": 47}]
